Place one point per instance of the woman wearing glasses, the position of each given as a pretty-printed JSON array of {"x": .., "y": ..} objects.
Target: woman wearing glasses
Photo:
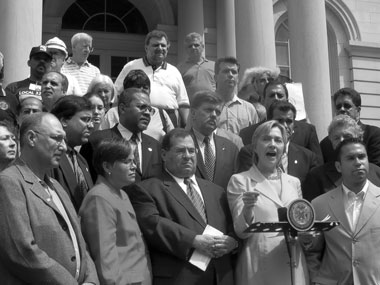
[{"x": 109, "y": 222}]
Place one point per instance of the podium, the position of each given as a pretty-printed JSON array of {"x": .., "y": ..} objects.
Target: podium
[{"x": 298, "y": 217}]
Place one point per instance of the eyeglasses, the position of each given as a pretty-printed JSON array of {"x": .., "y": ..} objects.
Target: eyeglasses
[
  {"x": 90, "y": 48},
  {"x": 346, "y": 106},
  {"x": 144, "y": 107},
  {"x": 60, "y": 139}
]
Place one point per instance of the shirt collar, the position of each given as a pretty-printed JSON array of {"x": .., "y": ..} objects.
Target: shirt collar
[
  {"x": 200, "y": 137},
  {"x": 361, "y": 193},
  {"x": 127, "y": 134},
  {"x": 181, "y": 180},
  {"x": 71, "y": 61},
  {"x": 163, "y": 65}
]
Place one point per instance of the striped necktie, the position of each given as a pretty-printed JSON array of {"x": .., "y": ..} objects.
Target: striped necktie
[
  {"x": 195, "y": 198},
  {"x": 135, "y": 141}
]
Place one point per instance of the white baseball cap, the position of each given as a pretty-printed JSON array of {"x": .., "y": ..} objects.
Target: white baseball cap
[{"x": 57, "y": 43}]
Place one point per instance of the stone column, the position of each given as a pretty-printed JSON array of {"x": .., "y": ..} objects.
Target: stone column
[
  {"x": 255, "y": 40},
  {"x": 225, "y": 23},
  {"x": 20, "y": 30},
  {"x": 309, "y": 59},
  {"x": 190, "y": 19}
]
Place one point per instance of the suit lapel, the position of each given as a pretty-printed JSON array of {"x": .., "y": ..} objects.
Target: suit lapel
[
  {"x": 146, "y": 153},
  {"x": 292, "y": 157},
  {"x": 69, "y": 175},
  {"x": 200, "y": 163},
  {"x": 176, "y": 191},
  {"x": 369, "y": 207},
  {"x": 337, "y": 208},
  {"x": 220, "y": 156},
  {"x": 86, "y": 173}
]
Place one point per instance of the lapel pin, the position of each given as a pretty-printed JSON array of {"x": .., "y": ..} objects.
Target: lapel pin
[
  {"x": 149, "y": 149},
  {"x": 223, "y": 148},
  {"x": 295, "y": 161}
]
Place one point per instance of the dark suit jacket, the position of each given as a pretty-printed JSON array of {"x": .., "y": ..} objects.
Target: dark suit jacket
[
  {"x": 65, "y": 175},
  {"x": 325, "y": 178},
  {"x": 371, "y": 138},
  {"x": 170, "y": 222},
  {"x": 35, "y": 243},
  {"x": 225, "y": 163},
  {"x": 300, "y": 160},
  {"x": 151, "y": 158},
  {"x": 304, "y": 135}
]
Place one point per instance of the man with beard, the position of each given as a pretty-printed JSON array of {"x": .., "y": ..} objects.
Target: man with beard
[
  {"x": 134, "y": 112},
  {"x": 75, "y": 114},
  {"x": 167, "y": 90},
  {"x": 236, "y": 113},
  {"x": 197, "y": 71},
  {"x": 216, "y": 156},
  {"x": 173, "y": 211},
  {"x": 77, "y": 65},
  {"x": 348, "y": 253},
  {"x": 54, "y": 86},
  {"x": 39, "y": 62}
]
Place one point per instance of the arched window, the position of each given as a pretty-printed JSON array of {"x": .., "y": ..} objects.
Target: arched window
[
  {"x": 118, "y": 16},
  {"x": 282, "y": 48}
]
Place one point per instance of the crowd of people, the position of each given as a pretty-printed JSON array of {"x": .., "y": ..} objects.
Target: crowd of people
[{"x": 155, "y": 178}]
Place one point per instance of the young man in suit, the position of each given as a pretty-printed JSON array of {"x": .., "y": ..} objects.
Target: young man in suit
[
  {"x": 216, "y": 156},
  {"x": 297, "y": 160},
  {"x": 41, "y": 241},
  {"x": 173, "y": 212},
  {"x": 348, "y": 253},
  {"x": 75, "y": 114},
  {"x": 134, "y": 112}
]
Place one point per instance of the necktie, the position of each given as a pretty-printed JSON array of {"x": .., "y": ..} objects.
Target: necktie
[
  {"x": 195, "y": 198},
  {"x": 82, "y": 184},
  {"x": 209, "y": 159},
  {"x": 135, "y": 141}
]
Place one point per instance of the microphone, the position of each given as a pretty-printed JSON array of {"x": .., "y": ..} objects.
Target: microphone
[{"x": 282, "y": 214}]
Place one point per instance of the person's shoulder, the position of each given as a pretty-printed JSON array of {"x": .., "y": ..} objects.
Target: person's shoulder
[
  {"x": 209, "y": 186},
  {"x": 149, "y": 139},
  {"x": 371, "y": 129},
  {"x": 16, "y": 84},
  {"x": 298, "y": 148}
]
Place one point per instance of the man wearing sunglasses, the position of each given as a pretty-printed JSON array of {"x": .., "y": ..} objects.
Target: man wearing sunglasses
[
  {"x": 347, "y": 101},
  {"x": 135, "y": 112}
]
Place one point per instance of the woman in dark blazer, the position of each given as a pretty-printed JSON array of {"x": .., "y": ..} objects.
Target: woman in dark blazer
[{"x": 109, "y": 222}]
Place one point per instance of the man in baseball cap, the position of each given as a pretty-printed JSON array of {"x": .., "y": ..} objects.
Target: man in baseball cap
[
  {"x": 39, "y": 62},
  {"x": 58, "y": 50}
]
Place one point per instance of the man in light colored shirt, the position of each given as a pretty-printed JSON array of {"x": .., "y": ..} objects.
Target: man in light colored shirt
[
  {"x": 167, "y": 88},
  {"x": 197, "y": 71},
  {"x": 78, "y": 65},
  {"x": 41, "y": 240},
  {"x": 349, "y": 253},
  {"x": 236, "y": 113}
]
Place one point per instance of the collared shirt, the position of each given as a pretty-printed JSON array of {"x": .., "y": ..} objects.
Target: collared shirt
[
  {"x": 58, "y": 203},
  {"x": 83, "y": 73},
  {"x": 127, "y": 135},
  {"x": 181, "y": 183},
  {"x": 201, "y": 144},
  {"x": 353, "y": 203},
  {"x": 167, "y": 90},
  {"x": 237, "y": 114},
  {"x": 197, "y": 76}
]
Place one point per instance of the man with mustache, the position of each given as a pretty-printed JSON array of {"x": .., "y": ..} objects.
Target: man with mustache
[
  {"x": 347, "y": 101},
  {"x": 348, "y": 253},
  {"x": 41, "y": 240},
  {"x": 75, "y": 115},
  {"x": 167, "y": 90},
  {"x": 216, "y": 156},
  {"x": 54, "y": 86},
  {"x": 134, "y": 115},
  {"x": 39, "y": 62}
]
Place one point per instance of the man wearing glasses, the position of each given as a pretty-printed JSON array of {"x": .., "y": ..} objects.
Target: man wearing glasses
[
  {"x": 77, "y": 65},
  {"x": 135, "y": 113},
  {"x": 347, "y": 101},
  {"x": 41, "y": 240}
]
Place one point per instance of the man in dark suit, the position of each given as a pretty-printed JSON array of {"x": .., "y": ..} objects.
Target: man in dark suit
[
  {"x": 134, "y": 112},
  {"x": 216, "y": 156},
  {"x": 326, "y": 177},
  {"x": 173, "y": 212},
  {"x": 304, "y": 134},
  {"x": 75, "y": 114},
  {"x": 347, "y": 101},
  {"x": 297, "y": 161},
  {"x": 41, "y": 241}
]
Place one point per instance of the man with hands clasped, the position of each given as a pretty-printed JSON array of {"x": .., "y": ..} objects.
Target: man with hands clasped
[{"x": 181, "y": 215}]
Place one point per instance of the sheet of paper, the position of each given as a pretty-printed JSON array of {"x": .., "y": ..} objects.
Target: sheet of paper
[
  {"x": 296, "y": 98},
  {"x": 199, "y": 259}
]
